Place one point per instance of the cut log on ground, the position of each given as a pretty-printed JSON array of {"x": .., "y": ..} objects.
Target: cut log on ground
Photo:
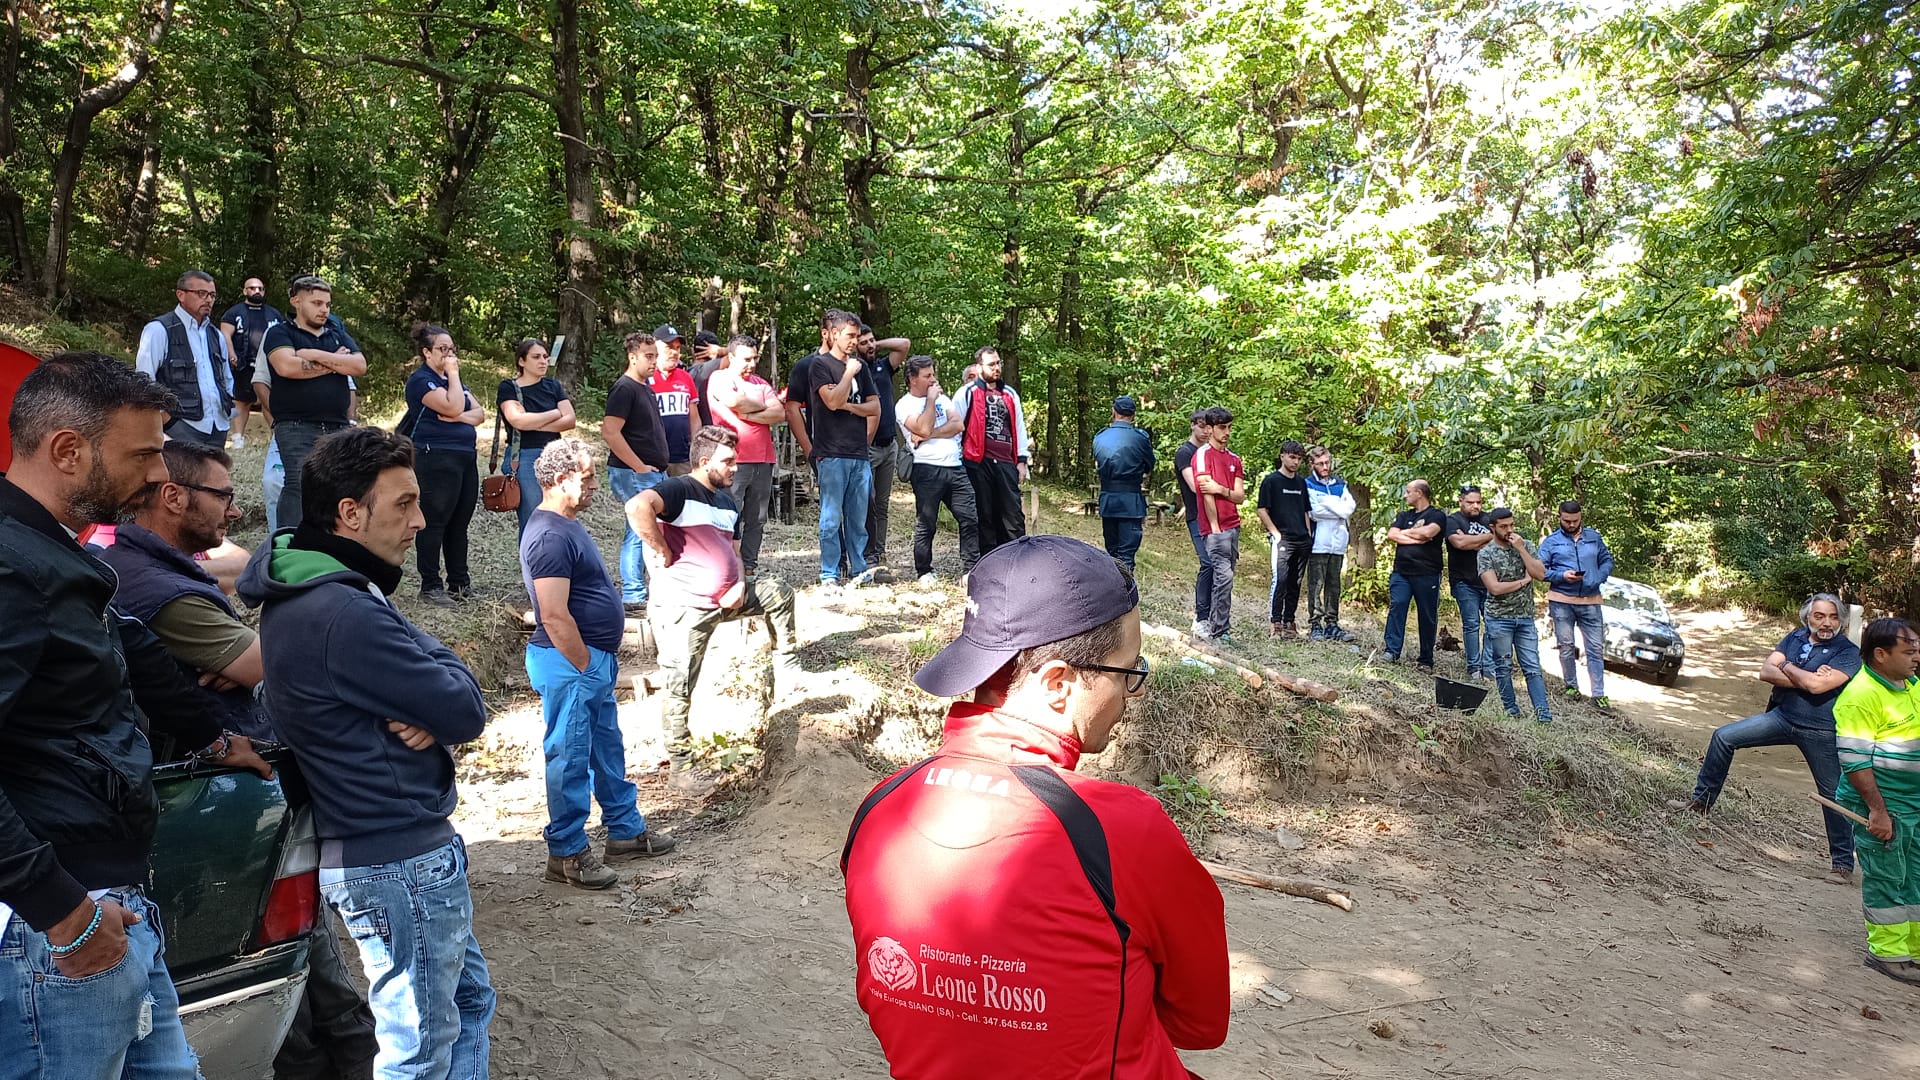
[
  {"x": 1207, "y": 650},
  {"x": 1312, "y": 890}
]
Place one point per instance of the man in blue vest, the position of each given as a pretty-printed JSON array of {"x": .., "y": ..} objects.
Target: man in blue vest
[
  {"x": 184, "y": 351},
  {"x": 1123, "y": 455}
]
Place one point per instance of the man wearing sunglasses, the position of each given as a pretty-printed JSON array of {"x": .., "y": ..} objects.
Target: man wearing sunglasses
[{"x": 1010, "y": 915}]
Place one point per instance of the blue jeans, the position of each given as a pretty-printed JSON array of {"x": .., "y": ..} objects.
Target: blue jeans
[
  {"x": 1508, "y": 639},
  {"x": 586, "y": 758},
  {"x": 56, "y": 1028},
  {"x": 521, "y": 468},
  {"x": 1472, "y": 599},
  {"x": 846, "y": 486},
  {"x": 1771, "y": 728},
  {"x": 633, "y": 568},
  {"x": 1592, "y": 623},
  {"x": 427, "y": 982},
  {"x": 1203, "y": 581},
  {"x": 1424, "y": 593}
]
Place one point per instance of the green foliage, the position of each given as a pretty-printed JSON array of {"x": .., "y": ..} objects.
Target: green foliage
[{"x": 1190, "y": 803}]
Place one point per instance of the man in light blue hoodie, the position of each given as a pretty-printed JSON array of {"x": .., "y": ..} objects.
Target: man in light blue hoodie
[
  {"x": 1577, "y": 562},
  {"x": 369, "y": 704}
]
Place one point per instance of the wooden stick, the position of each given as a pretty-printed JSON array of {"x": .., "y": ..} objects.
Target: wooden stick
[
  {"x": 1292, "y": 887},
  {"x": 1837, "y": 808},
  {"x": 1207, "y": 650},
  {"x": 1179, "y": 641}
]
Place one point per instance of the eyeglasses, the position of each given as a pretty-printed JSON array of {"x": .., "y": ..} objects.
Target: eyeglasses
[
  {"x": 223, "y": 494},
  {"x": 1136, "y": 676},
  {"x": 209, "y": 293}
]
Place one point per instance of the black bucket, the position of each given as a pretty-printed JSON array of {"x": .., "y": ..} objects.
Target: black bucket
[{"x": 1465, "y": 697}]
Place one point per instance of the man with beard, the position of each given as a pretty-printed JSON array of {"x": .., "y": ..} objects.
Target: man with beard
[
  {"x": 993, "y": 443},
  {"x": 1012, "y": 916},
  {"x": 1807, "y": 671},
  {"x": 244, "y": 327},
  {"x": 1877, "y": 726},
  {"x": 676, "y": 397},
  {"x": 1467, "y": 535},
  {"x": 79, "y": 939},
  {"x": 369, "y": 703},
  {"x": 574, "y": 665}
]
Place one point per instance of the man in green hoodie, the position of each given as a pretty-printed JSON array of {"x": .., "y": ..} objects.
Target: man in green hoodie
[{"x": 369, "y": 703}]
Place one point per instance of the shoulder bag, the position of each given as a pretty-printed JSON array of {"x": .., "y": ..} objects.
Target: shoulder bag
[{"x": 500, "y": 492}]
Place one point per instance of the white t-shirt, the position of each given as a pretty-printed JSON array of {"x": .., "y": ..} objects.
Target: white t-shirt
[{"x": 942, "y": 452}]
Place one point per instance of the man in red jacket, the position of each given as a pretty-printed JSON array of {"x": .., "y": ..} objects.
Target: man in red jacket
[{"x": 1010, "y": 916}]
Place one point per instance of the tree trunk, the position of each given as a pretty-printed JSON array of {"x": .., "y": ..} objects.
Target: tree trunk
[
  {"x": 87, "y": 105},
  {"x": 1053, "y": 423},
  {"x": 1010, "y": 268},
  {"x": 857, "y": 172},
  {"x": 143, "y": 194},
  {"x": 14, "y": 245},
  {"x": 1360, "y": 540},
  {"x": 1083, "y": 425},
  {"x": 580, "y": 296},
  {"x": 260, "y": 192},
  {"x": 465, "y": 134}
]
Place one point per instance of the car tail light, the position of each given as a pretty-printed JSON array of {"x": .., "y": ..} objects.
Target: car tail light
[{"x": 293, "y": 904}]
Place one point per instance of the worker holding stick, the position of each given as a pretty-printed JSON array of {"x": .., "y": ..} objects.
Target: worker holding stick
[
  {"x": 1011, "y": 916},
  {"x": 1877, "y": 722}
]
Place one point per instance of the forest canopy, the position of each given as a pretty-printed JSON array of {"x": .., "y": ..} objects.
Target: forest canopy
[{"x": 1655, "y": 256}]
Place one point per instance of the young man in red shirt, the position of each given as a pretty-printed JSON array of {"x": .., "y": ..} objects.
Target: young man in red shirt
[
  {"x": 1012, "y": 917},
  {"x": 745, "y": 404},
  {"x": 1219, "y": 478}
]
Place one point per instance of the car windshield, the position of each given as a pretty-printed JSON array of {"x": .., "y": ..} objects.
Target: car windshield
[{"x": 1638, "y": 603}]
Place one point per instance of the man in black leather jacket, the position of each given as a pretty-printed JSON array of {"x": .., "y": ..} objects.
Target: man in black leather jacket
[{"x": 79, "y": 944}]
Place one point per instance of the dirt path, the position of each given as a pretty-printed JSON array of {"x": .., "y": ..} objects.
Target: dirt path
[
  {"x": 1718, "y": 684},
  {"x": 1475, "y": 951}
]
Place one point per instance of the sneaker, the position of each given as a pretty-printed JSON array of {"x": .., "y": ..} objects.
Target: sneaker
[
  {"x": 1317, "y": 634},
  {"x": 239, "y": 441},
  {"x": 635, "y": 609},
  {"x": 648, "y": 845},
  {"x": 1841, "y": 875},
  {"x": 462, "y": 593},
  {"x": 865, "y": 578},
  {"x": 1425, "y": 667},
  {"x": 1603, "y": 702},
  {"x": 881, "y": 575},
  {"x": 438, "y": 597},
  {"x": 928, "y": 580},
  {"x": 1571, "y": 692},
  {"x": 1199, "y": 628},
  {"x": 1390, "y": 658},
  {"x": 582, "y": 871},
  {"x": 1339, "y": 634},
  {"x": 1223, "y": 639}
]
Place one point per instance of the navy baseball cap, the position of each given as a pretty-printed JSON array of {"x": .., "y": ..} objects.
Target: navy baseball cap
[
  {"x": 665, "y": 333},
  {"x": 1032, "y": 591},
  {"x": 1125, "y": 405}
]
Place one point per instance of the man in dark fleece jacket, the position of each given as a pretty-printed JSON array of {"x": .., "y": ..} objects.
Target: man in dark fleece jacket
[{"x": 369, "y": 703}]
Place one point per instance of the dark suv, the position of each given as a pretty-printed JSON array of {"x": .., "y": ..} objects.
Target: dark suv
[{"x": 1640, "y": 631}]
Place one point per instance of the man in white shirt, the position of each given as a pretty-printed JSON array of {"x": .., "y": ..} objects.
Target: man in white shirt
[
  {"x": 932, "y": 427},
  {"x": 185, "y": 352}
]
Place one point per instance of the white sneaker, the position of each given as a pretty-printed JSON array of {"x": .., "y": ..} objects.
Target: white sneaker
[
  {"x": 1198, "y": 629},
  {"x": 864, "y": 578},
  {"x": 928, "y": 580},
  {"x": 239, "y": 441}
]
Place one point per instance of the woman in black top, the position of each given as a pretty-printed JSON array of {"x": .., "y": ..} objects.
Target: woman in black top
[
  {"x": 444, "y": 416},
  {"x": 538, "y": 411}
]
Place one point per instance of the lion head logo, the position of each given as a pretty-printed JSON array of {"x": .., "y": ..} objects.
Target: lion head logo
[{"x": 890, "y": 964}]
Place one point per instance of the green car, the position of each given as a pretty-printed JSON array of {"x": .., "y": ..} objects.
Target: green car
[{"x": 236, "y": 876}]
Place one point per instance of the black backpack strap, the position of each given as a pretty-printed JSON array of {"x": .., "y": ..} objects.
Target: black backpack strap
[
  {"x": 1089, "y": 841},
  {"x": 873, "y": 800}
]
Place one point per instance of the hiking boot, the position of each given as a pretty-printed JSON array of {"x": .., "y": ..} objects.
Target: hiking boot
[
  {"x": 1425, "y": 667},
  {"x": 1841, "y": 875},
  {"x": 1901, "y": 970},
  {"x": 582, "y": 871},
  {"x": 881, "y": 575},
  {"x": 1290, "y": 632},
  {"x": 691, "y": 781},
  {"x": 462, "y": 593},
  {"x": 648, "y": 845},
  {"x": 1275, "y": 630},
  {"x": 438, "y": 597}
]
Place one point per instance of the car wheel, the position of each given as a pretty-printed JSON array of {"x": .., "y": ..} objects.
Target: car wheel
[{"x": 1668, "y": 678}]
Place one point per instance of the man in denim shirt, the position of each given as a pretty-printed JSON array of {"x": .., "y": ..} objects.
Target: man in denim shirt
[
  {"x": 1807, "y": 672},
  {"x": 1577, "y": 562}
]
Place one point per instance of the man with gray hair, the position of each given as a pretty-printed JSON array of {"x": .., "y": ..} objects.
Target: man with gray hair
[
  {"x": 573, "y": 662},
  {"x": 1807, "y": 671},
  {"x": 184, "y": 351}
]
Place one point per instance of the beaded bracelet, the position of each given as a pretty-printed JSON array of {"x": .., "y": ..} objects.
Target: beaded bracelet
[{"x": 85, "y": 935}]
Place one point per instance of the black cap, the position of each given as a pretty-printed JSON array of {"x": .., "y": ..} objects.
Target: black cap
[
  {"x": 1125, "y": 405},
  {"x": 705, "y": 337},
  {"x": 665, "y": 333},
  {"x": 1032, "y": 591}
]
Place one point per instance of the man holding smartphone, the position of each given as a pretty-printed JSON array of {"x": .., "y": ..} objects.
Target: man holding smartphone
[{"x": 1578, "y": 563}]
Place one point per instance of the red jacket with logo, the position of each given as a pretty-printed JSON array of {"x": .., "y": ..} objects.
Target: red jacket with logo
[{"x": 982, "y": 946}]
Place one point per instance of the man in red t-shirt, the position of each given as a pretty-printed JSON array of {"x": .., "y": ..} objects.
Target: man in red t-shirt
[
  {"x": 1010, "y": 916},
  {"x": 1219, "y": 479},
  {"x": 745, "y": 404},
  {"x": 687, "y": 524},
  {"x": 678, "y": 398}
]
